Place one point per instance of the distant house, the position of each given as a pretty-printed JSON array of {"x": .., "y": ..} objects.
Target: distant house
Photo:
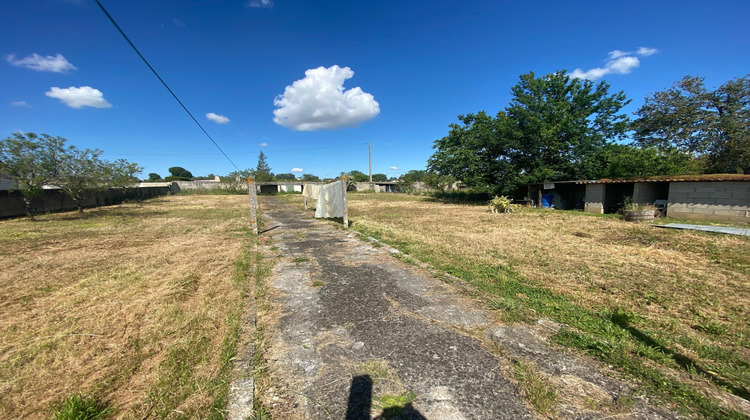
[
  {"x": 380, "y": 186},
  {"x": 719, "y": 197}
]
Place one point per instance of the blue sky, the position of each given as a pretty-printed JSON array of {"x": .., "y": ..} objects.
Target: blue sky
[{"x": 407, "y": 68}]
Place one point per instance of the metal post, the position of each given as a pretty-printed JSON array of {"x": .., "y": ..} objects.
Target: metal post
[
  {"x": 346, "y": 207},
  {"x": 252, "y": 193}
]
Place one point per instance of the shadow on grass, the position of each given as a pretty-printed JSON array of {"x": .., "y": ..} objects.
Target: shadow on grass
[
  {"x": 685, "y": 362},
  {"x": 472, "y": 198}
]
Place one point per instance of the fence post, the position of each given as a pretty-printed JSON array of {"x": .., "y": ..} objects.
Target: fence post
[
  {"x": 304, "y": 194},
  {"x": 346, "y": 207},
  {"x": 253, "y": 204}
]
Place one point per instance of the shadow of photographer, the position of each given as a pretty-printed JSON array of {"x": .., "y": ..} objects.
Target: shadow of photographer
[{"x": 360, "y": 404}]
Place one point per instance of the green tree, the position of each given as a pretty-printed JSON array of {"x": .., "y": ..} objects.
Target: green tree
[
  {"x": 694, "y": 119},
  {"x": 121, "y": 174},
  {"x": 406, "y": 181},
  {"x": 81, "y": 172},
  {"x": 286, "y": 177},
  {"x": 153, "y": 176},
  {"x": 310, "y": 178},
  {"x": 358, "y": 176},
  {"x": 379, "y": 177},
  {"x": 262, "y": 171},
  {"x": 559, "y": 124},
  {"x": 33, "y": 161},
  {"x": 413, "y": 176},
  {"x": 477, "y": 153},
  {"x": 554, "y": 128},
  {"x": 629, "y": 161},
  {"x": 178, "y": 173}
]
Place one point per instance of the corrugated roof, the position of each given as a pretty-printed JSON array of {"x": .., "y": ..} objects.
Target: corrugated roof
[{"x": 672, "y": 178}]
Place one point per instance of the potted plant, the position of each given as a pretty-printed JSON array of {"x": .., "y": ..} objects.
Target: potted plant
[{"x": 635, "y": 212}]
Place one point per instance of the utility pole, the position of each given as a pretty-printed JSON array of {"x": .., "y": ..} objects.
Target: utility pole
[{"x": 369, "y": 155}]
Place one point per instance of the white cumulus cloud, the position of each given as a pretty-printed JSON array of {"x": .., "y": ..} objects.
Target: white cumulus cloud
[
  {"x": 393, "y": 168},
  {"x": 319, "y": 102},
  {"x": 264, "y": 144},
  {"x": 79, "y": 97},
  {"x": 218, "y": 119},
  {"x": 20, "y": 103},
  {"x": 268, "y": 4},
  {"x": 298, "y": 170},
  {"x": 619, "y": 62},
  {"x": 57, "y": 63}
]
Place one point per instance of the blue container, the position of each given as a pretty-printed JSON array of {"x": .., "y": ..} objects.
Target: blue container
[{"x": 547, "y": 200}]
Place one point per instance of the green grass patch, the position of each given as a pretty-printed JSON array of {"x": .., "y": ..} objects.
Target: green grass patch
[
  {"x": 536, "y": 389},
  {"x": 396, "y": 406},
  {"x": 79, "y": 407}
]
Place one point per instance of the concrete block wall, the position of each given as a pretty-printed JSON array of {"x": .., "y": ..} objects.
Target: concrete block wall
[
  {"x": 721, "y": 201},
  {"x": 52, "y": 200},
  {"x": 367, "y": 186},
  {"x": 645, "y": 192},
  {"x": 594, "y": 198},
  {"x": 201, "y": 184}
]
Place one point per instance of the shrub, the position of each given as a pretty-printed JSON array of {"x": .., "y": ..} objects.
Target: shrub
[{"x": 501, "y": 204}]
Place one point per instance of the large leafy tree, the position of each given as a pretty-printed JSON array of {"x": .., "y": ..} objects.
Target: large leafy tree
[
  {"x": 476, "y": 152},
  {"x": 122, "y": 174},
  {"x": 629, "y": 161},
  {"x": 286, "y": 177},
  {"x": 554, "y": 128},
  {"x": 82, "y": 172},
  {"x": 310, "y": 178},
  {"x": 358, "y": 176},
  {"x": 694, "y": 119},
  {"x": 33, "y": 161},
  {"x": 178, "y": 173},
  {"x": 559, "y": 124},
  {"x": 38, "y": 161}
]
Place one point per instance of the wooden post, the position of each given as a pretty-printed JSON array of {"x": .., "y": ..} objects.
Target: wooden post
[
  {"x": 346, "y": 208},
  {"x": 304, "y": 193},
  {"x": 253, "y": 204},
  {"x": 539, "y": 197}
]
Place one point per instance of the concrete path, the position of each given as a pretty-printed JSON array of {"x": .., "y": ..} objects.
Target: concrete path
[
  {"x": 715, "y": 229},
  {"x": 355, "y": 333}
]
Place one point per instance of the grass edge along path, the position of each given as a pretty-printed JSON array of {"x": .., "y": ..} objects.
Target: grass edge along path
[{"x": 604, "y": 334}]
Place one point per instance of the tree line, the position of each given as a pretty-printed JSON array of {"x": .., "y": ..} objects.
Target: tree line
[
  {"x": 562, "y": 128},
  {"x": 38, "y": 161}
]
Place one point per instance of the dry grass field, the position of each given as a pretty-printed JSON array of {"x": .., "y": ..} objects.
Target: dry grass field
[
  {"x": 669, "y": 308},
  {"x": 136, "y": 307}
]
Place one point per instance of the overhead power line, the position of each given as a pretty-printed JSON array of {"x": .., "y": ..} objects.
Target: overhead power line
[{"x": 111, "y": 19}]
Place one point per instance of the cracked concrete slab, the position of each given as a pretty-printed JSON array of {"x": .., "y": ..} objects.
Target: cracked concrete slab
[{"x": 353, "y": 329}]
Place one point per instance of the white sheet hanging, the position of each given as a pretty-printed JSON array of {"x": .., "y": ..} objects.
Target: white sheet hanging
[{"x": 330, "y": 201}]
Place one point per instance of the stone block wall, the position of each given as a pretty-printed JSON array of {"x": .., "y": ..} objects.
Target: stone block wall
[
  {"x": 645, "y": 192},
  {"x": 594, "y": 198},
  {"x": 721, "y": 201},
  {"x": 52, "y": 200}
]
